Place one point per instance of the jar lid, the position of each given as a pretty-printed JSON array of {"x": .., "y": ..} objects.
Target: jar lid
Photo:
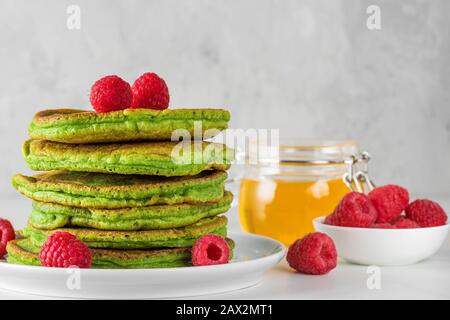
[{"x": 297, "y": 152}]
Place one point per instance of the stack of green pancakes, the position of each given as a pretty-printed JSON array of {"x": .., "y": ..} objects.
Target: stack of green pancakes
[{"x": 120, "y": 184}]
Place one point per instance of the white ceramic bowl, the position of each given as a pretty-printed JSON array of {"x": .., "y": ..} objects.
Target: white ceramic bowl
[{"x": 384, "y": 247}]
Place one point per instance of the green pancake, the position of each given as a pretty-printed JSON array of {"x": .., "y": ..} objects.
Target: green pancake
[
  {"x": 49, "y": 216},
  {"x": 164, "y": 238},
  {"x": 22, "y": 251},
  {"x": 145, "y": 158},
  {"x": 81, "y": 126},
  {"x": 111, "y": 191}
]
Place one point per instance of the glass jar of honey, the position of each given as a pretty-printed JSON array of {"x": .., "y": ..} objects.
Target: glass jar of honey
[{"x": 280, "y": 196}]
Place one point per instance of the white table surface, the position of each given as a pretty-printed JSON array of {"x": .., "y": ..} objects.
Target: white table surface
[{"x": 429, "y": 279}]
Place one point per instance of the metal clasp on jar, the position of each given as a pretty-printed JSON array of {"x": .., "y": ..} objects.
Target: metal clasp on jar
[{"x": 357, "y": 178}]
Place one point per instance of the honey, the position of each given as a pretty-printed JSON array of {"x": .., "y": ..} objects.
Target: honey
[{"x": 284, "y": 210}]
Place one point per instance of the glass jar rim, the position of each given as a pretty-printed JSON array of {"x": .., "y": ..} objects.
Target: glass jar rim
[{"x": 293, "y": 152}]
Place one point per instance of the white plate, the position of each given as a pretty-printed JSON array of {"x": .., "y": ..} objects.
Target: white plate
[{"x": 254, "y": 255}]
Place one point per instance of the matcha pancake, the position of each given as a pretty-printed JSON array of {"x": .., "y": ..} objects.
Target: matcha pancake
[
  {"x": 164, "y": 238},
  {"x": 145, "y": 158},
  {"x": 111, "y": 191},
  {"x": 50, "y": 216},
  {"x": 22, "y": 251},
  {"x": 81, "y": 126}
]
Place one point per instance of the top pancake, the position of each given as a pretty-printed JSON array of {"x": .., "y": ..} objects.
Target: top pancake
[{"x": 81, "y": 126}]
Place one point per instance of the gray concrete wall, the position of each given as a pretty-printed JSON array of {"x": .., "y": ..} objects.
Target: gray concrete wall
[{"x": 311, "y": 68}]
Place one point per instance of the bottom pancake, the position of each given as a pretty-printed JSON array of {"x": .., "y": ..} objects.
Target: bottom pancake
[{"x": 22, "y": 251}]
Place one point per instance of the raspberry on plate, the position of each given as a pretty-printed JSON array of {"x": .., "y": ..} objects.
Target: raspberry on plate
[
  {"x": 404, "y": 223},
  {"x": 150, "y": 92},
  {"x": 314, "y": 254},
  {"x": 64, "y": 250},
  {"x": 389, "y": 201},
  {"x": 354, "y": 210},
  {"x": 426, "y": 213},
  {"x": 210, "y": 249},
  {"x": 111, "y": 93},
  {"x": 7, "y": 234}
]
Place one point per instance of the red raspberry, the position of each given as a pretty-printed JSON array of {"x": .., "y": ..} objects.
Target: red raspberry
[
  {"x": 383, "y": 225},
  {"x": 63, "y": 250},
  {"x": 354, "y": 210},
  {"x": 7, "y": 234},
  {"x": 313, "y": 254},
  {"x": 390, "y": 201},
  {"x": 329, "y": 220},
  {"x": 150, "y": 92},
  {"x": 426, "y": 213},
  {"x": 404, "y": 223},
  {"x": 111, "y": 93},
  {"x": 210, "y": 249}
]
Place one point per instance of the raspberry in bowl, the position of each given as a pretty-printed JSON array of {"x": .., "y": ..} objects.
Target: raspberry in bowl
[{"x": 414, "y": 233}]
